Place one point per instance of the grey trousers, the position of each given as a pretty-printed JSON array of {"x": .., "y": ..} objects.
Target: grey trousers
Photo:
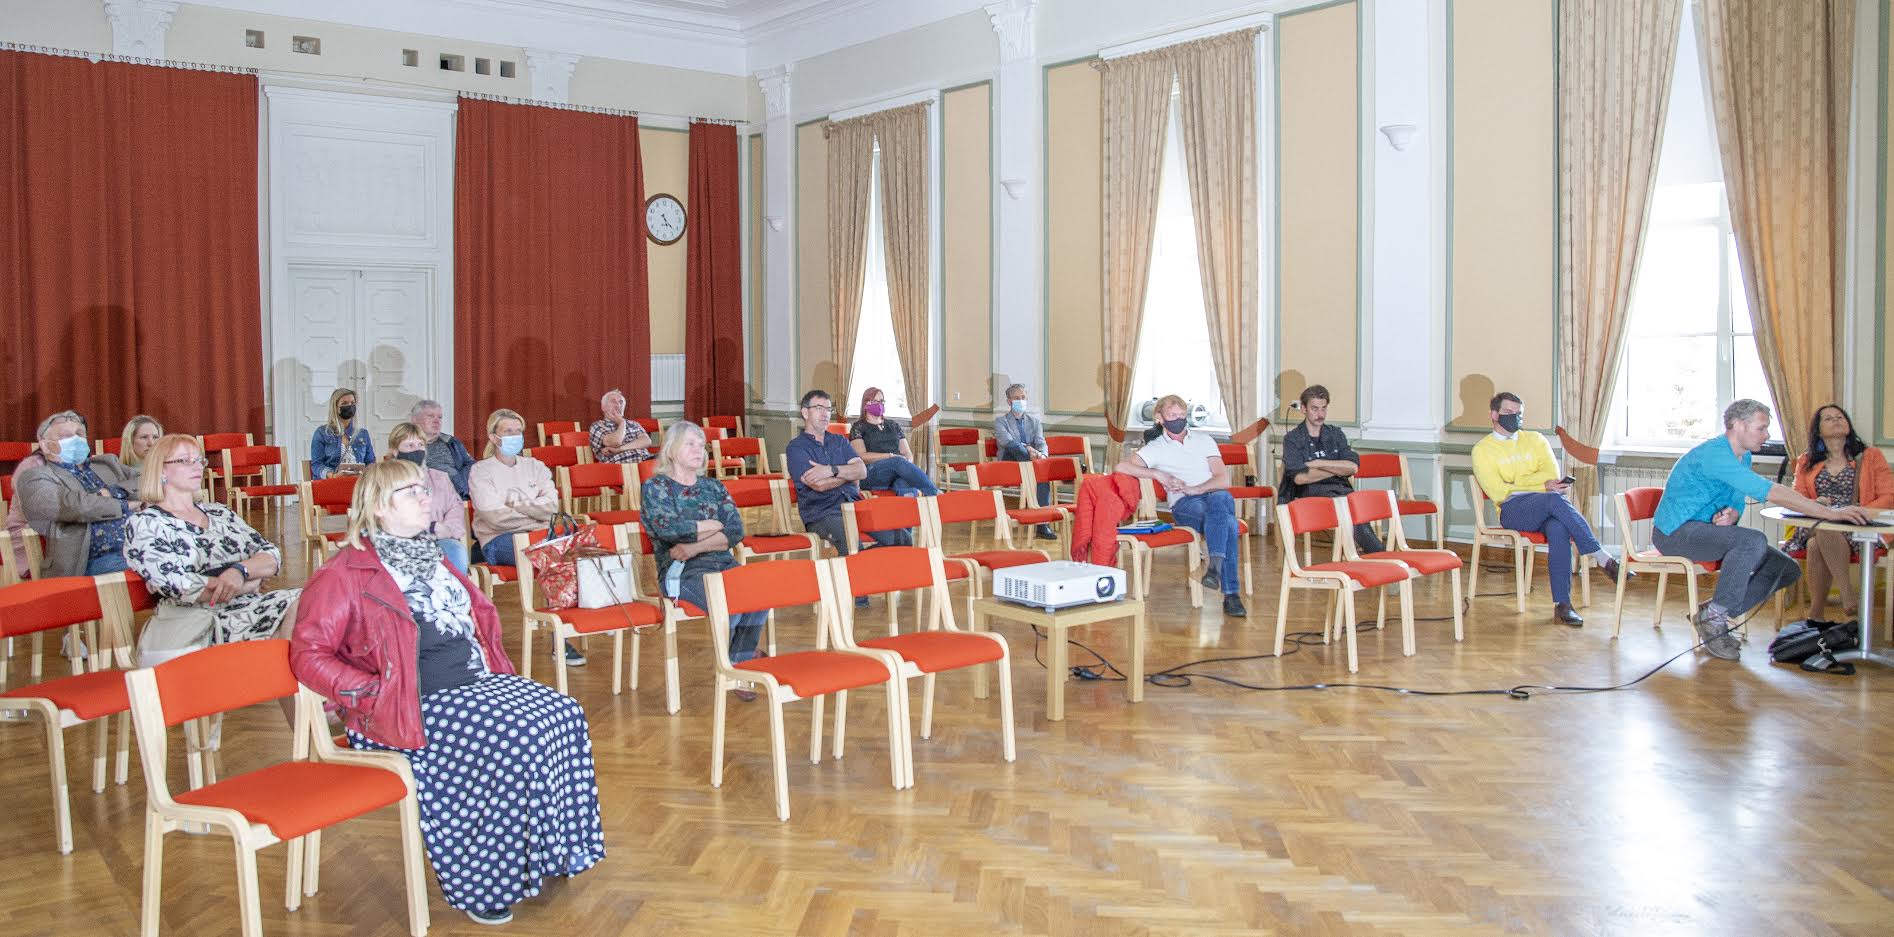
[{"x": 1752, "y": 570}]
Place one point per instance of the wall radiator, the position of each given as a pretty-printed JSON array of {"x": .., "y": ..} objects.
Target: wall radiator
[{"x": 667, "y": 379}]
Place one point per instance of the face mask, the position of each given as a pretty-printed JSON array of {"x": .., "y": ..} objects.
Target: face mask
[
  {"x": 510, "y": 446},
  {"x": 1509, "y": 422},
  {"x": 875, "y": 408},
  {"x": 1174, "y": 427},
  {"x": 418, "y": 456},
  {"x": 1019, "y": 406},
  {"x": 73, "y": 450},
  {"x": 346, "y": 413}
]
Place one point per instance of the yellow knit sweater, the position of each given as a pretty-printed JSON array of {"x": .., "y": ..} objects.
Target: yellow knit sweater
[{"x": 1505, "y": 467}]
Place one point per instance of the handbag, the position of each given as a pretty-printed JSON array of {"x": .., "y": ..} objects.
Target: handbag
[
  {"x": 604, "y": 580},
  {"x": 555, "y": 559},
  {"x": 1814, "y": 642}
]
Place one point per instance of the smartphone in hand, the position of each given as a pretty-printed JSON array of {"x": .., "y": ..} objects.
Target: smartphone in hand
[{"x": 1569, "y": 479}]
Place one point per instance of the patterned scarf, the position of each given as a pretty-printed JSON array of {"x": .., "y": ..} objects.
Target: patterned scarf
[{"x": 415, "y": 558}]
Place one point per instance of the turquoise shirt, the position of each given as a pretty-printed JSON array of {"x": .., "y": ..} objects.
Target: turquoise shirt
[{"x": 1706, "y": 480}]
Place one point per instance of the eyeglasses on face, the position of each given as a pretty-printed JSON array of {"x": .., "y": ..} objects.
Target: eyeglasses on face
[
  {"x": 421, "y": 492},
  {"x": 198, "y": 461}
]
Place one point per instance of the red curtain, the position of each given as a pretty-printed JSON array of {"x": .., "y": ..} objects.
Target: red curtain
[
  {"x": 713, "y": 302},
  {"x": 551, "y": 307},
  {"x": 129, "y": 277}
]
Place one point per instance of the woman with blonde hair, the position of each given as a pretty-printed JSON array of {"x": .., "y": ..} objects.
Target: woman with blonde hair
[
  {"x": 141, "y": 433},
  {"x": 447, "y": 516},
  {"x": 205, "y": 565},
  {"x": 410, "y": 655},
  {"x": 340, "y": 446},
  {"x": 512, "y": 494}
]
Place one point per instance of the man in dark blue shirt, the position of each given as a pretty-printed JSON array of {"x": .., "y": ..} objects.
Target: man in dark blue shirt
[{"x": 825, "y": 469}]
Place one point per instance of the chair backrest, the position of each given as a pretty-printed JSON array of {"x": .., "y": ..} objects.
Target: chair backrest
[
  {"x": 999, "y": 474},
  {"x": 223, "y": 677},
  {"x": 1233, "y": 454},
  {"x": 218, "y": 442},
  {"x": 959, "y": 507},
  {"x": 887, "y": 569},
  {"x": 333, "y": 494},
  {"x": 1372, "y": 504},
  {"x": 551, "y": 428},
  {"x": 574, "y": 438},
  {"x": 1635, "y": 504},
  {"x": 1477, "y": 497},
  {"x": 1055, "y": 469},
  {"x": 878, "y": 514},
  {"x": 761, "y": 587},
  {"x": 44, "y": 604},
  {"x": 112, "y": 445},
  {"x": 15, "y": 451},
  {"x": 1306, "y": 515},
  {"x": 650, "y": 425},
  {"x": 611, "y": 518},
  {"x": 737, "y": 447},
  {"x": 1068, "y": 445},
  {"x": 751, "y": 492},
  {"x": 555, "y": 456},
  {"x": 958, "y": 436},
  {"x": 1379, "y": 465},
  {"x": 991, "y": 447},
  {"x": 734, "y": 424},
  {"x": 595, "y": 475}
]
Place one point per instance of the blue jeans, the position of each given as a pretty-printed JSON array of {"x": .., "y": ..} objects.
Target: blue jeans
[
  {"x": 1548, "y": 513},
  {"x": 1213, "y": 514},
  {"x": 456, "y": 553},
  {"x": 900, "y": 476},
  {"x": 106, "y": 563},
  {"x": 499, "y": 551},
  {"x": 745, "y": 629},
  {"x": 1015, "y": 452}
]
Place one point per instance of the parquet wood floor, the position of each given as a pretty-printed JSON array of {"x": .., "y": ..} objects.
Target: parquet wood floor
[{"x": 1716, "y": 798}]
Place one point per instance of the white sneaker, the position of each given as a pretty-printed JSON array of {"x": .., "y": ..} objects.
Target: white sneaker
[{"x": 66, "y": 643}]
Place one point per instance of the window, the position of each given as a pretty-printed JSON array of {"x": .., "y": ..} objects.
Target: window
[
  {"x": 877, "y": 364},
  {"x": 1174, "y": 342},
  {"x": 1691, "y": 347}
]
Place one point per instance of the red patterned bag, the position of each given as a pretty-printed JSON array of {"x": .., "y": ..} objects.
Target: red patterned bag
[{"x": 556, "y": 559}]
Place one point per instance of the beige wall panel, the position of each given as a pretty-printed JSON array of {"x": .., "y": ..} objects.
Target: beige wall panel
[
  {"x": 1884, "y": 427},
  {"x": 1074, "y": 242},
  {"x": 967, "y": 247},
  {"x": 1319, "y": 198},
  {"x": 667, "y": 155},
  {"x": 1501, "y": 303},
  {"x": 812, "y": 257},
  {"x": 753, "y": 309}
]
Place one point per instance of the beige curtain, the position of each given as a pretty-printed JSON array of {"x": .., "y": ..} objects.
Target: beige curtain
[
  {"x": 1779, "y": 88},
  {"x": 1136, "y": 103},
  {"x": 904, "y": 158},
  {"x": 1615, "y": 62},
  {"x": 1217, "y": 107},
  {"x": 851, "y": 163}
]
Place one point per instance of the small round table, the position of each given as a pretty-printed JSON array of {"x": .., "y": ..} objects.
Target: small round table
[{"x": 1869, "y": 540}]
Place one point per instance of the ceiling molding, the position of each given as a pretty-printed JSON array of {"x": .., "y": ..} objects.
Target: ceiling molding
[{"x": 838, "y": 25}]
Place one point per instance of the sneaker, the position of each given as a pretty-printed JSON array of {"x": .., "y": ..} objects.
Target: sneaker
[
  {"x": 1233, "y": 606},
  {"x": 1045, "y": 532},
  {"x": 1212, "y": 578},
  {"x": 499, "y": 916},
  {"x": 573, "y": 659},
  {"x": 66, "y": 644},
  {"x": 1714, "y": 632}
]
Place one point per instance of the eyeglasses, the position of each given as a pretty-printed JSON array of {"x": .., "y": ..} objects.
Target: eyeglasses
[
  {"x": 821, "y": 408},
  {"x": 199, "y": 461},
  {"x": 421, "y": 492}
]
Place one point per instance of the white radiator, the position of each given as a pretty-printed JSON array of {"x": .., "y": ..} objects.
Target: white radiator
[{"x": 667, "y": 379}]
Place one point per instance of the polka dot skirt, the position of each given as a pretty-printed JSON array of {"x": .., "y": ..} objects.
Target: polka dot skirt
[{"x": 506, "y": 787}]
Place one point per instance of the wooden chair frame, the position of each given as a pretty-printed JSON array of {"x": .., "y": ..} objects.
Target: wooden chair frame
[
  {"x": 1029, "y": 506},
  {"x": 1523, "y": 546},
  {"x": 241, "y": 495},
  {"x": 1261, "y": 507},
  {"x": 718, "y": 459},
  {"x": 552, "y": 427},
  {"x": 1408, "y": 505},
  {"x": 1147, "y": 511},
  {"x": 1136, "y": 550},
  {"x": 1650, "y": 560},
  {"x": 1340, "y": 617},
  {"x": 933, "y": 533},
  {"x": 534, "y": 618},
  {"x": 613, "y": 497}
]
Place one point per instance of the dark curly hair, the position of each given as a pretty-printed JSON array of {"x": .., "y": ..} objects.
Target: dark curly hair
[{"x": 1818, "y": 450}]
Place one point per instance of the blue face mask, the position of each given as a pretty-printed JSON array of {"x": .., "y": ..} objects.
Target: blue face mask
[
  {"x": 74, "y": 450},
  {"x": 1019, "y": 406},
  {"x": 510, "y": 446}
]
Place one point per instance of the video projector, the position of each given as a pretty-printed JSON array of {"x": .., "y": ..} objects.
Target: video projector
[{"x": 1059, "y": 584}]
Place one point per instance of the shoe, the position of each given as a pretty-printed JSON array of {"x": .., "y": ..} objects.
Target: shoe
[
  {"x": 742, "y": 691},
  {"x": 861, "y": 601},
  {"x": 500, "y": 916},
  {"x": 1562, "y": 614},
  {"x": 1611, "y": 567},
  {"x": 1233, "y": 606},
  {"x": 573, "y": 659},
  {"x": 66, "y": 644},
  {"x": 1212, "y": 579},
  {"x": 1045, "y": 532},
  {"x": 1714, "y": 632}
]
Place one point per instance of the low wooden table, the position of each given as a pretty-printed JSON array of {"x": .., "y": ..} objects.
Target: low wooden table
[{"x": 1056, "y": 623}]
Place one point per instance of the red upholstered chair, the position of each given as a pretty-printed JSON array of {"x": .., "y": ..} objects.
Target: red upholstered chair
[
  {"x": 609, "y": 518},
  {"x": 632, "y": 614},
  {"x": 784, "y": 678},
  {"x": 1640, "y": 504},
  {"x": 1075, "y": 446},
  {"x": 109, "y": 445},
  {"x": 575, "y": 439},
  {"x": 288, "y": 802},
  {"x": 1257, "y": 501},
  {"x": 983, "y": 476},
  {"x": 212, "y": 445},
  {"x": 1393, "y": 465},
  {"x": 1524, "y": 545},
  {"x": 776, "y": 540},
  {"x": 1139, "y": 548},
  {"x": 938, "y": 646},
  {"x": 1367, "y": 507},
  {"x": 972, "y": 507},
  {"x": 605, "y": 484},
  {"x": 958, "y": 437},
  {"x": 320, "y": 499},
  {"x": 556, "y": 456},
  {"x": 729, "y": 424},
  {"x": 551, "y": 428},
  {"x": 263, "y": 465},
  {"x": 1340, "y": 577},
  {"x": 728, "y": 456}
]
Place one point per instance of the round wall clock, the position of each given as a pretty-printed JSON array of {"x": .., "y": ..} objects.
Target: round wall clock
[{"x": 664, "y": 218}]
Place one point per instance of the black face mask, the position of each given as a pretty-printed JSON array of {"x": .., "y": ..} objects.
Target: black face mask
[
  {"x": 418, "y": 457},
  {"x": 1509, "y": 422},
  {"x": 346, "y": 413},
  {"x": 1175, "y": 426}
]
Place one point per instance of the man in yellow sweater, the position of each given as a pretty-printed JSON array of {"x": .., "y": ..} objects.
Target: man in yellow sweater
[{"x": 1516, "y": 470}]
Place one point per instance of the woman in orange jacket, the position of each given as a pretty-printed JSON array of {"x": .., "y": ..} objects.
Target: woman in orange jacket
[{"x": 1837, "y": 468}]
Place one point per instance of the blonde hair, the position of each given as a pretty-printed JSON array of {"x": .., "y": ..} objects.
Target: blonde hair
[
  {"x": 126, "y": 455},
  {"x": 373, "y": 490},
  {"x": 674, "y": 442},
  {"x": 493, "y": 427},
  {"x": 335, "y": 410},
  {"x": 151, "y": 474},
  {"x": 402, "y": 433},
  {"x": 1165, "y": 403}
]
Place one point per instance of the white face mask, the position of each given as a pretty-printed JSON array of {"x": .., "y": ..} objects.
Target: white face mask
[{"x": 1019, "y": 406}]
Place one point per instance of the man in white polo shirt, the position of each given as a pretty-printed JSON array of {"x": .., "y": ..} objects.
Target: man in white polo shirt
[{"x": 1189, "y": 467}]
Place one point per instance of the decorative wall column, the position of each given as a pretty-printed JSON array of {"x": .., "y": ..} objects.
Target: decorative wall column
[
  {"x": 550, "y": 73},
  {"x": 1018, "y": 310},
  {"x": 138, "y": 26},
  {"x": 778, "y": 300}
]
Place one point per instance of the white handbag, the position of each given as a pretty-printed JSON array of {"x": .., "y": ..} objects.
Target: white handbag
[{"x": 604, "y": 581}]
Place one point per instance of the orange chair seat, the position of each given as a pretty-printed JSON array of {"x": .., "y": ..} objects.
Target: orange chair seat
[
  {"x": 1367, "y": 574},
  {"x": 335, "y": 536},
  {"x": 1001, "y": 559},
  {"x": 956, "y": 571},
  {"x": 502, "y": 573},
  {"x": 1417, "y": 507},
  {"x": 1036, "y": 515},
  {"x": 689, "y": 610},
  {"x": 30, "y": 603},
  {"x": 960, "y": 466},
  {"x": 814, "y": 673},
  {"x": 88, "y": 695},
  {"x": 1241, "y": 492},
  {"x": 266, "y": 491},
  {"x": 1427, "y": 561},
  {"x": 297, "y": 797},
  {"x": 936, "y": 651},
  {"x": 1176, "y": 536},
  {"x": 1646, "y": 556},
  {"x": 778, "y": 543},
  {"x": 595, "y": 620}
]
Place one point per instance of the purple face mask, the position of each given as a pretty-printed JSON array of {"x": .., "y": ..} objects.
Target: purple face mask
[{"x": 874, "y": 408}]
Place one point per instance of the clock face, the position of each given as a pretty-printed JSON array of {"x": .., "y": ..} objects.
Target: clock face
[{"x": 664, "y": 218}]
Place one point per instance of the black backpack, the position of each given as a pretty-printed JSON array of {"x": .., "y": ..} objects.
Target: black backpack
[{"x": 1813, "y": 645}]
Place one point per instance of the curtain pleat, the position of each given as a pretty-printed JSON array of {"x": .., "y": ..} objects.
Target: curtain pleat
[
  {"x": 904, "y": 219},
  {"x": 1135, "y": 102},
  {"x": 713, "y": 303},
  {"x": 851, "y": 164}
]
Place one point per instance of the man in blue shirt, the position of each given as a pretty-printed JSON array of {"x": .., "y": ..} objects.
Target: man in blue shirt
[
  {"x": 825, "y": 469},
  {"x": 1703, "y": 500}
]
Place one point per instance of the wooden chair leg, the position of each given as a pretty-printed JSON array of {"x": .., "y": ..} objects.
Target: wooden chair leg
[
  {"x": 1690, "y": 591},
  {"x": 841, "y": 721},
  {"x": 779, "y": 764},
  {"x": 1348, "y": 622},
  {"x": 412, "y": 866},
  {"x": 1657, "y": 609},
  {"x": 293, "y": 873},
  {"x": 671, "y": 693},
  {"x": 1617, "y": 624},
  {"x": 1282, "y": 608},
  {"x": 247, "y": 898},
  {"x": 1459, "y": 631},
  {"x": 1004, "y": 666},
  {"x": 56, "y": 759},
  {"x": 1473, "y": 570},
  {"x": 154, "y": 876},
  {"x": 719, "y": 700},
  {"x": 927, "y": 706}
]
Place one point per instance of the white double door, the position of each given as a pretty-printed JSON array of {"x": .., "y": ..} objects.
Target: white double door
[{"x": 369, "y": 329}]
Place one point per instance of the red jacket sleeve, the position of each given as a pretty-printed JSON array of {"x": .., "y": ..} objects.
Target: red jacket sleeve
[{"x": 323, "y": 614}]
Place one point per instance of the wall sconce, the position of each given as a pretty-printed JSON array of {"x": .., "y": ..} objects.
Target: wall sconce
[
  {"x": 1399, "y": 135},
  {"x": 775, "y": 222},
  {"x": 1014, "y": 188}
]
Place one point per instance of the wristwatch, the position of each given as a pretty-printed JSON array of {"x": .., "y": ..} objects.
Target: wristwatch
[
  {"x": 241, "y": 571},
  {"x": 835, "y": 471}
]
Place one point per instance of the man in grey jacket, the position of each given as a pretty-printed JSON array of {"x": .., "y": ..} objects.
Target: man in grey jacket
[
  {"x": 77, "y": 501},
  {"x": 1020, "y": 438}
]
